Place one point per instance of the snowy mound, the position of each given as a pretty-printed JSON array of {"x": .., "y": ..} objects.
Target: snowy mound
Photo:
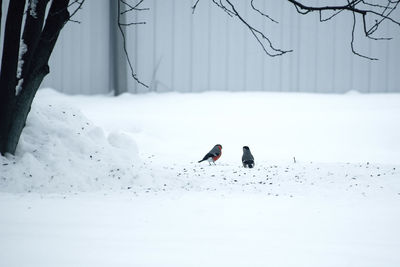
[{"x": 60, "y": 150}]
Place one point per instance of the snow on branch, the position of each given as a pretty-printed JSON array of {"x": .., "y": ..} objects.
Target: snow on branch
[{"x": 32, "y": 8}]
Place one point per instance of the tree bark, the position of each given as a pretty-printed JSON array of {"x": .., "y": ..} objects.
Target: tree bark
[
  {"x": 1, "y": 13},
  {"x": 9, "y": 63},
  {"x": 33, "y": 28},
  {"x": 37, "y": 66}
]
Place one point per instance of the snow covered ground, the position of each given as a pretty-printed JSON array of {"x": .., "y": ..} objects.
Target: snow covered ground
[{"x": 104, "y": 181}]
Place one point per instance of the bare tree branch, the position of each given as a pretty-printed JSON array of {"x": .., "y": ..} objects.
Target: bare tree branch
[
  {"x": 78, "y": 4},
  {"x": 120, "y": 25},
  {"x": 361, "y": 8},
  {"x": 194, "y": 6},
  {"x": 261, "y": 38},
  {"x": 133, "y": 7},
  {"x": 261, "y": 13}
]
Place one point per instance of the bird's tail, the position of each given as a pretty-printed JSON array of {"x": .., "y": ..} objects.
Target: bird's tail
[
  {"x": 201, "y": 160},
  {"x": 248, "y": 163}
]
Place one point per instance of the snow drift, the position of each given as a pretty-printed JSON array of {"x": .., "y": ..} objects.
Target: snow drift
[
  {"x": 61, "y": 150},
  {"x": 176, "y": 212}
]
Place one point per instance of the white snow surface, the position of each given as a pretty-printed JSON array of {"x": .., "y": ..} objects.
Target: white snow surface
[
  {"x": 60, "y": 150},
  {"x": 276, "y": 126},
  {"x": 114, "y": 181}
]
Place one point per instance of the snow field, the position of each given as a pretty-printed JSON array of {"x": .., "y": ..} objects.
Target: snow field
[
  {"x": 104, "y": 181},
  {"x": 197, "y": 229},
  {"x": 276, "y": 126}
]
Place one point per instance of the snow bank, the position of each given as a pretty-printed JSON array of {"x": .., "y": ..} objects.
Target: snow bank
[{"x": 61, "y": 150}]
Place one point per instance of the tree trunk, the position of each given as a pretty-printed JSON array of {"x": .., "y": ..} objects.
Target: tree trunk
[
  {"x": 30, "y": 36},
  {"x": 36, "y": 67},
  {"x": 1, "y": 13},
  {"x": 9, "y": 63}
]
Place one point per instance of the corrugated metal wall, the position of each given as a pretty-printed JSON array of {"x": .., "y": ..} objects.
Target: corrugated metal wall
[
  {"x": 178, "y": 51},
  {"x": 211, "y": 51},
  {"x": 80, "y": 63}
]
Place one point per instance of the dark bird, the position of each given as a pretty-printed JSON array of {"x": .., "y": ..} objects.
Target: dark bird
[
  {"x": 247, "y": 158},
  {"x": 213, "y": 155}
]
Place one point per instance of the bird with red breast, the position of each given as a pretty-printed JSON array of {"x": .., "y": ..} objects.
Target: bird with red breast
[{"x": 214, "y": 154}]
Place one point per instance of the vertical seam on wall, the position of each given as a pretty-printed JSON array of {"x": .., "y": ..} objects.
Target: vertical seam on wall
[
  {"x": 281, "y": 59},
  {"x": 154, "y": 74},
  {"x": 91, "y": 78},
  {"x": 263, "y": 58},
  {"x": 80, "y": 65},
  {"x": 369, "y": 68},
  {"x": 136, "y": 87},
  {"x": 351, "y": 73},
  {"x": 60, "y": 84},
  {"x": 334, "y": 59},
  {"x": 245, "y": 34},
  {"x": 110, "y": 41},
  {"x": 209, "y": 47},
  {"x": 227, "y": 54},
  {"x": 299, "y": 29},
  {"x": 173, "y": 47},
  {"x": 191, "y": 52},
  {"x": 291, "y": 65},
  {"x": 387, "y": 62},
  {"x": 351, "y": 70},
  {"x": 316, "y": 41}
]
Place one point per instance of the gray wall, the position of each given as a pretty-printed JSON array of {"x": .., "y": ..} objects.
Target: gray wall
[
  {"x": 178, "y": 51},
  {"x": 80, "y": 63},
  {"x": 211, "y": 51}
]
